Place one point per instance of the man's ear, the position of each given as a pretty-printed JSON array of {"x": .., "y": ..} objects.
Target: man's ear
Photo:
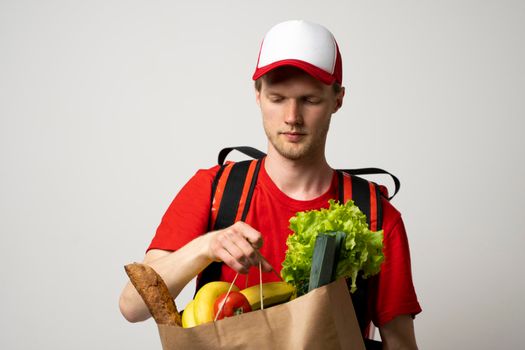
[{"x": 339, "y": 99}]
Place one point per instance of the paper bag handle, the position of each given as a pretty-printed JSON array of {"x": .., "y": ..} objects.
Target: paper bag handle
[{"x": 260, "y": 285}]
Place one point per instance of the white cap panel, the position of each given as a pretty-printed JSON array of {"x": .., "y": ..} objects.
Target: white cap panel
[{"x": 299, "y": 40}]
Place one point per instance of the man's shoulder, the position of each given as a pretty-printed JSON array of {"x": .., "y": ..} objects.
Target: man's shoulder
[
  {"x": 202, "y": 177},
  {"x": 207, "y": 173}
]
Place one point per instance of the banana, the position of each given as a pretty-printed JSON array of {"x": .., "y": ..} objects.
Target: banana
[
  {"x": 188, "y": 316},
  {"x": 205, "y": 299},
  {"x": 273, "y": 293}
]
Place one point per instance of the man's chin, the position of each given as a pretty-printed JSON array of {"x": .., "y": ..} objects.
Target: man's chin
[{"x": 295, "y": 152}]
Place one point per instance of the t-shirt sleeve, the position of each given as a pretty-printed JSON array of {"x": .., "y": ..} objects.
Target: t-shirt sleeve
[
  {"x": 187, "y": 216},
  {"x": 395, "y": 289}
]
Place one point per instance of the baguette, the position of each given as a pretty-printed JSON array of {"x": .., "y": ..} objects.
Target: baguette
[{"x": 155, "y": 294}]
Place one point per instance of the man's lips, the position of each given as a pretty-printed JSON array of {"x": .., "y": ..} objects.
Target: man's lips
[{"x": 293, "y": 136}]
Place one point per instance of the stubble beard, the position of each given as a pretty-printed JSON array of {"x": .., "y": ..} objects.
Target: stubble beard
[{"x": 309, "y": 147}]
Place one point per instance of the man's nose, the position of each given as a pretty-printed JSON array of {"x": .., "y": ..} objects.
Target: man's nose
[{"x": 293, "y": 112}]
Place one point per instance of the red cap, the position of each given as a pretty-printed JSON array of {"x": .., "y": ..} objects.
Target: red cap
[{"x": 302, "y": 44}]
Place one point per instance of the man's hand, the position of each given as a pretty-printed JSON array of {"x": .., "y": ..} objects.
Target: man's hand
[
  {"x": 399, "y": 334},
  {"x": 237, "y": 246}
]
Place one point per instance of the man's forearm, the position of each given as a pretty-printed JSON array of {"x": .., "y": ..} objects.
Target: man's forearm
[
  {"x": 399, "y": 334},
  {"x": 177, "y": 269}
]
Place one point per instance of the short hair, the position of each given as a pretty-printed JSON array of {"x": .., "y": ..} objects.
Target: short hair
[{"x": 336, "y": 87}]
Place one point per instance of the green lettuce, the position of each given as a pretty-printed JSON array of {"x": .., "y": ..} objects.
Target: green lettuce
[{"x": 362, "y": 249}]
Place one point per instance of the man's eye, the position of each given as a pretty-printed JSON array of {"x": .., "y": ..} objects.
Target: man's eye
[
  {"x": 276, "y": 99},
  {"x": 312, "y": 100}
]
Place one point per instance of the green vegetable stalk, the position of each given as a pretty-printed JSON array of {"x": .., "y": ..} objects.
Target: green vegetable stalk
[{"x": 362, "y": 250}]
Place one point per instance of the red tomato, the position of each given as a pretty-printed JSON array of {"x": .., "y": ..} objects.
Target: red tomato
[{"x": 235, "y": 304}]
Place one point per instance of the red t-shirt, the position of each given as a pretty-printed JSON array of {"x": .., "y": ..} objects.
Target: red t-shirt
[{"x": 270, "y": 212}]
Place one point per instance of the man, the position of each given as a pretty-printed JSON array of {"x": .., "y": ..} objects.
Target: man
[{"x": 298, "y": 88}]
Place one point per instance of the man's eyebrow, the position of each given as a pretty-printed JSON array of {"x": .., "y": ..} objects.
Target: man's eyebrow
[{"x": 270, "y": 92}]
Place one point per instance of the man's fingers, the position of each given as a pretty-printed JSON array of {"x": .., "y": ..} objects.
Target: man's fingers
[
  {"x": 247, "y": 248},
  {"x": 229, "y": 260},
  {"x": 238, "y": 247},
  {"x": 231, "y": 244},
  {"x": 247, "y": 239},
  {"x": 252, "y": 235}
]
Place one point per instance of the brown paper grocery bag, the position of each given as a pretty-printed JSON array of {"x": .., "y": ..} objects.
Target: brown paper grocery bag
[{"x": 322, "y": 319}]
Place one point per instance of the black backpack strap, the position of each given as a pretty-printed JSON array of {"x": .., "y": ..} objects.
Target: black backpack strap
[
  {"x": 367, "y": 196},
  {"x": 375, "y": 171},
  {"x": 232, "y": 191},
  {"x": 249, "y": 151}
]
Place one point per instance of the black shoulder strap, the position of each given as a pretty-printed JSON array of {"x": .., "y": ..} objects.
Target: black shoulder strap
[
  {"x": 366, "y": 196},
  {"x": 375, "y": 171},
  {"x": 249, "y": 151},
  {"x": 234, "y": 183},
  {"x": 236, "y": 193}
]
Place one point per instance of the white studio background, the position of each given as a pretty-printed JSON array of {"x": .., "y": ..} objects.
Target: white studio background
[{"x": 108, "y": 107}]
